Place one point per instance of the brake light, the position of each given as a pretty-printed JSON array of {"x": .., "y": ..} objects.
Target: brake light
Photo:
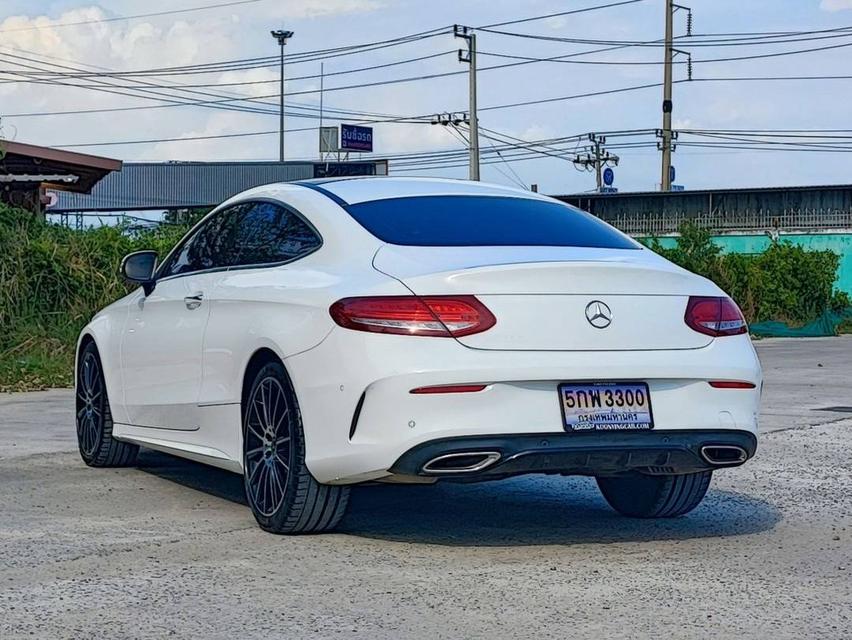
[
  {"x": 715, "y": 316},
  {"x": 732, "y": 384},
  {"x": 449, "y": 388},
  {"x": 435, "y": 316}
]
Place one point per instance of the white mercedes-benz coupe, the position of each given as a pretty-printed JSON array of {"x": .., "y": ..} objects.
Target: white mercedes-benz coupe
[{"x": 320, "y": 334}]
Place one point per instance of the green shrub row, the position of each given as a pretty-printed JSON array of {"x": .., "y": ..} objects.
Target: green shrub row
[
  {"x": 785, "y": 283},
  {"x": 54, "y": 279}
]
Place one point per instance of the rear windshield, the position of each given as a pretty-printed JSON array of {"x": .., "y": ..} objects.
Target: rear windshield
[{"x": 464, "y": 221}]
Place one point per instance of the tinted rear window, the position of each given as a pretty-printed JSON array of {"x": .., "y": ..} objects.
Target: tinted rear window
[{"x": 463, "y": 221}]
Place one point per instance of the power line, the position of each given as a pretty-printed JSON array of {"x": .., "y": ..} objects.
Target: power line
[
  {"x": 267, "y": 61},
  {"x": 133, "y": 17},
  {"x": 660, "y": 62},
  {"x": 576, "y": 96},
  {"x": 184, "y": 100},
  {"x": 320, "y": 54},
  {"x": 558, "y": 14},
  {"x": 253, "y": 82},
  {"x": 422, "y": 119},
  {"x": 764, "y": 39}
]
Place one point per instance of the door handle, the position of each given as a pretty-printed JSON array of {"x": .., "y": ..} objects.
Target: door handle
[{"x": 193, "y": 301}]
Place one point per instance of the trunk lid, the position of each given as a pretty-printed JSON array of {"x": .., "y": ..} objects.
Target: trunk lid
[{"x": 559, "y": 298}]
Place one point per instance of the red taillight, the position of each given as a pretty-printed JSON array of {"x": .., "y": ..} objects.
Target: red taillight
[
  {"x": 715, "y": 316},
  {"x": 732, "y": 384},
  {"x": 436, "y": 316},
  {"x": 450, "y": 388}
]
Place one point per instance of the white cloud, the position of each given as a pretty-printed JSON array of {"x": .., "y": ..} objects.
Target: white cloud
[
  {"x": 835, "y": 5},
  {"x": 242, "y": 32},
  {"x": 40, "y": 42},
  {"x": 317, "y": 8}
]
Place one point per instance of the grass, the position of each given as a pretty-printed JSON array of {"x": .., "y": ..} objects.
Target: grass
[
  {"x": 53, "y": 281},
  {"x": 37, "y": 362}
]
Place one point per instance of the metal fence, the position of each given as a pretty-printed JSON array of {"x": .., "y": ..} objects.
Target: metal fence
[{"x": 644, "y": 224}]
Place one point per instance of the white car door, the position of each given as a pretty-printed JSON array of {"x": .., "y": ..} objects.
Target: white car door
[{"x": 161, "y": 351}]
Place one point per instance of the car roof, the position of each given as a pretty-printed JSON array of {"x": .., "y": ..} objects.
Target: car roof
[{"x": 368, "y": 188}]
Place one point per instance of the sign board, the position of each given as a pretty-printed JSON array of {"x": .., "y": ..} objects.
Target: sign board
[
  {"x": 678, "y": 187},
  {"x": 49, "y": 199},
  {"x": 343, "y": 169},
  {"x": 328, "y": 140},
  {"x": 608, "y": 176},
  {"x": 355, "y": 138},
  {"x": 672, "y": 173},
  {"x": 609, "y": 190}
]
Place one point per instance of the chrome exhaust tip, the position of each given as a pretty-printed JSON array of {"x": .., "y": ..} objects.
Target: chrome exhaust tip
[
  {"x": 724, "y": 454},
  {"x": 466, "y": 462}
]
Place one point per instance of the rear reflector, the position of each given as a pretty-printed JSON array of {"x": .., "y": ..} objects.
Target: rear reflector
[
  {"x": 715, "y": 316},
  {"x": 731, "y": 384},
  {"x": 450, "y": 388},
  {"x": 435, "y": 316}
]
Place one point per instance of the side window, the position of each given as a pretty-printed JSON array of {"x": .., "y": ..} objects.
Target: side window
[
  {"x": 210, "y": 247},
  {"x": 252, "y": 233},
  {"x": 268, "y": 233}
]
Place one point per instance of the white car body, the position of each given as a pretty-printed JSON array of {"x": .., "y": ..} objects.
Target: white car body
[{"x": 175, "y": 375}]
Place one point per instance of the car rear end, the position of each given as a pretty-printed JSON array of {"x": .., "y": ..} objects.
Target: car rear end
[{"x": 528, "y": 337}]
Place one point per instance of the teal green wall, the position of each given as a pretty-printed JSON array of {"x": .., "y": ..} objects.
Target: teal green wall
[{"x": 840, "y": 243}]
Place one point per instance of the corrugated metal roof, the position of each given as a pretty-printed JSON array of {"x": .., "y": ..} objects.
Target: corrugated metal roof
[
  {"x": 691, "y": 192},
  {"x": 178, "y": 185}
]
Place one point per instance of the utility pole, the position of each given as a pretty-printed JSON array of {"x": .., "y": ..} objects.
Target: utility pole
[
  {"x": 469, "y": 57},
  {"x": 666, "y": 145},
  {"x": 281, "y": 37},
  {"x": 596, "y": 159},
  {"x": 665, "y": 182},
  {"x": 599, "y": 179}
]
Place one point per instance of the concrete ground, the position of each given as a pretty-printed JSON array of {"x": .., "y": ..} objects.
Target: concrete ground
[{"x": 169, "y": 548}]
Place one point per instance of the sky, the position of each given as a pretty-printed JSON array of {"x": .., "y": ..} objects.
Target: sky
[{"x": 37, "y": 31}]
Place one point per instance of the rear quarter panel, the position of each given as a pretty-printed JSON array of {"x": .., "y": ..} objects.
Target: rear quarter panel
[{"x": 285, "y": 308}]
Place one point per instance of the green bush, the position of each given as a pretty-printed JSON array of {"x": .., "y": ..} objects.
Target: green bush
[
  {"x": 53, "y": 280},
  {"x": 785, "y": 283}
]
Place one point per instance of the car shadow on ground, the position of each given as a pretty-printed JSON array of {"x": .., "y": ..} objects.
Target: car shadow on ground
[{"x": 531, "y": 510}]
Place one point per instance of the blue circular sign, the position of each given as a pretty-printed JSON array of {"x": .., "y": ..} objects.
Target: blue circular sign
[
  {"x": 672, "y": 173},
  {"x": 608, "y": 176}
]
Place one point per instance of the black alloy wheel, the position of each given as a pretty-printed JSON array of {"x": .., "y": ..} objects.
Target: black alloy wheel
[
  {"x": 94, "y": 418},
  {"x": 283, "y": 495},
  {"x": 268, "y": 450}
]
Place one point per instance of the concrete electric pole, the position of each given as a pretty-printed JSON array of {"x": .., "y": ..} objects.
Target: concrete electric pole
[
  {"x": 665, "y": 181},
  {"x": 666, "y": 133},
  {"x": 281, "y": 37},
  {"x": 469, "y": 56},
  {"x": 596, "y": 159}
]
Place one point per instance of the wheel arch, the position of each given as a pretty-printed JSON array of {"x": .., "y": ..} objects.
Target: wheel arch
[
  {"x": 104, "y": 331},
  {"x": 259, "y": 359},
  {"x": 86, "y": 338}
]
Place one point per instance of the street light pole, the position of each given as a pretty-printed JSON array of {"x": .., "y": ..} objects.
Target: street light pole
[{"x": 281, "y": 37}]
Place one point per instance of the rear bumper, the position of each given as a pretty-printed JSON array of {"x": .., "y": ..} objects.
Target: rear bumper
[
  {"x": 594, "y": 454},
  {"x": 360, "y": 417}
]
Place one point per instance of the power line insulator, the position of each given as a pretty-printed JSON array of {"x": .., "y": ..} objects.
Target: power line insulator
[
  {"x": 689, "y": 22},
  {"x": 689, "y": 68}
]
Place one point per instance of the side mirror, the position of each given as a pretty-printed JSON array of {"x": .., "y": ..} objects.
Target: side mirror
[{"x": 139, "y": 268}]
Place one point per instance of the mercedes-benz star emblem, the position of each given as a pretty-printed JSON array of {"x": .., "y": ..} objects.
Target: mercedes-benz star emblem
[{"x": 598, "y": 314}]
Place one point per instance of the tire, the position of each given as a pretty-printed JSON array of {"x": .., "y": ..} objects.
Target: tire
[
  {"x": 94, "y": 419},
  {"x": 642, "y": 496},
  {"x": 283, "y": 495}
]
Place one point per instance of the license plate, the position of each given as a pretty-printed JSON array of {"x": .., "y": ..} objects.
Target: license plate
[{"x": 606, "y": 406}]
